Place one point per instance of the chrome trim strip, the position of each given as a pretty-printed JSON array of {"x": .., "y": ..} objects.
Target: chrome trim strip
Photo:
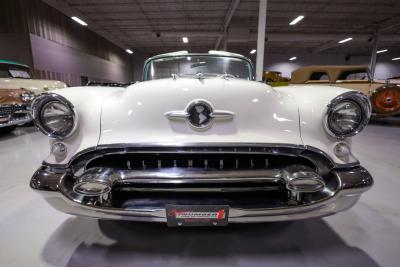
[
  {"x": 274, "y": 148},
  {"x": 183, "y": 176}
]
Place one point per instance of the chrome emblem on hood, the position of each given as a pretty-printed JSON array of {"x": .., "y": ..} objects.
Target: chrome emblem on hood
[{"x": 200, "y": 114}]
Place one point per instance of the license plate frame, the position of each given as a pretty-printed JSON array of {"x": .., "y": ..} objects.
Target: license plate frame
[{"x": 197, "y": 215}]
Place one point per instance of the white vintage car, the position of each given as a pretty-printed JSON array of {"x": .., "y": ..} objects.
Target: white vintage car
[{"x": 199, "y": 142}]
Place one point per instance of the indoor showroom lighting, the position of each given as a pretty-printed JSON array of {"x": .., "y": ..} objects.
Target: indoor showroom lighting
[
  {"x": 381, "y": 51},
  {"x": 185, "y": 40},
  {"x": 296, "y": 20},
  {"x": 129, "y": 51},
  {"x": 345, "y": 40},
  {"x": 253, "y": 51},
  {"x": 292, "y": 58},
  {"x": 396, "y": 58},
  {"x": 79, "y": 21}
]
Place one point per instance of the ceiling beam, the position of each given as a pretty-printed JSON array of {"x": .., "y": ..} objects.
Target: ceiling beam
[
  {"x": 228, "y": 17},
  {"x": 388, "y": 24},
  {"x": 385, "y": 25},
  {"x": 286, "y": 36}
]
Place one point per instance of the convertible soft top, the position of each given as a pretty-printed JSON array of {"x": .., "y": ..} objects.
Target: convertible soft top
[{"x": 302, "y": 75}]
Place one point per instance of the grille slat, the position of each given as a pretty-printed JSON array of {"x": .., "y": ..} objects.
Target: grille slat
[{"x": 8, "y": 110}]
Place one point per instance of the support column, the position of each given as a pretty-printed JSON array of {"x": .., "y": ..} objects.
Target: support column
[
  {"x": 372, "y": 63},
  {"x": 262, "y": 16}
]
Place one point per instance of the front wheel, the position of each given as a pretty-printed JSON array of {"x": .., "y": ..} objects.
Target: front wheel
[{"x": 386, "y": 100}]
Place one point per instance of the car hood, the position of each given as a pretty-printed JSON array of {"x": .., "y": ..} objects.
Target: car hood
[
  {"x": 137, "y": 115},
  {"x": 36, "y": 86}
]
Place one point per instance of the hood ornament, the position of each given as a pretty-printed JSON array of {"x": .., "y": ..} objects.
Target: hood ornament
[{"x": 200, "y": 114}]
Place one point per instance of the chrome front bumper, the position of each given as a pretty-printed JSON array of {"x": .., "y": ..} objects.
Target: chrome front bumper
[{"x": 351, "y": 183}]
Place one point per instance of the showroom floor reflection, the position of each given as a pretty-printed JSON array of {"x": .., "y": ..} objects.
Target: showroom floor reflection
[{"x": 302, "y": 243}]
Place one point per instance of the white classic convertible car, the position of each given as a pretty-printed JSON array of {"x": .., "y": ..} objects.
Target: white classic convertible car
[{"x": 199, "y": 142}]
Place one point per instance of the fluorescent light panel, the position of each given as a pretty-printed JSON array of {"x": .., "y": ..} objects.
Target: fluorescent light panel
[
  {"x": 296, "y": 20},
  {"x": 253, "y": 51},
  {"x": 129, "y": 51},
  {"x": 79, "y": 21},
  {"x": 381, "y": 51},
  {"x": 292, "y": 58},
  {"x": 345, "y": 40},
  {"x": 185, "y": 40},
  {"x": 396, "y": 58}
]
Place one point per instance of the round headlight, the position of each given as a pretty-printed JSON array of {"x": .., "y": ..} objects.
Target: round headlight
[
  {"x": 347, "y": 114},
  {"x": 54, "y": 115},
  {"x": 27, "y": 97},
  {"x": 57, "y": 118}
]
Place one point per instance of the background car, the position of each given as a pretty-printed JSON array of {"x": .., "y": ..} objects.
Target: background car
[
  {"x": 14, "y": 107},
  {"x": 274, "y": 76},
  {"x": 20, "y": 75},
  {"x": 384, "y": 94}
]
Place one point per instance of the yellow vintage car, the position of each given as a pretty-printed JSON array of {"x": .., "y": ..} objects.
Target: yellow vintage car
[
  {"x": 273, "y": 76},
  {"x": 384, "y": 94}
]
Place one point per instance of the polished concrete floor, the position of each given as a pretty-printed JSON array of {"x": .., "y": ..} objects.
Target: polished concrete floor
[{"x": 33, "y": 234}]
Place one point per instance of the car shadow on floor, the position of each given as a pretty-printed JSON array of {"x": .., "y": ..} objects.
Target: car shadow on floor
[{"x": 89, "y": 242}]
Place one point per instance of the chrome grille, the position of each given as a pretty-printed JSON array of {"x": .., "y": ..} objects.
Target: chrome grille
[
  {"x": 12, "y": 109},
  {"x": 196, "y": 160}
]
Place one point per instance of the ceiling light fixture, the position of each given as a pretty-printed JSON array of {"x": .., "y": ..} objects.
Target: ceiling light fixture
[
  {"x": 296, "y": 20},
  {"x": 292, "y": 58},
  {"x": 185, "y": 40},
  {"x": 396, "y": 58},
  {"x": 345, "y": 40},
  {"x": 129, "y": 51},
  {"x": 79, "y": 21},
  {"x": 253, "y": 51},
  {"x": 381, "y": 51}
]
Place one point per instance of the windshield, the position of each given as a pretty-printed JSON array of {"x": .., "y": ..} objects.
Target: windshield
[
  {"x": 192, "y": 65},
  {"x": 9, "y": 71}
]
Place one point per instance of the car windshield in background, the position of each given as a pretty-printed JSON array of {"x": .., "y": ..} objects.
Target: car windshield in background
[
  {"x": 12, "y": 72},
  {"x": 192, "y": 65},
  {"x": 20, "y": 74}
]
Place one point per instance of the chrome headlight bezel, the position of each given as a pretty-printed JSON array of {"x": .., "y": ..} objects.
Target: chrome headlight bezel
[
  {"x": 37, "y": 111},
  {"x": 353, "y": 96}
]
